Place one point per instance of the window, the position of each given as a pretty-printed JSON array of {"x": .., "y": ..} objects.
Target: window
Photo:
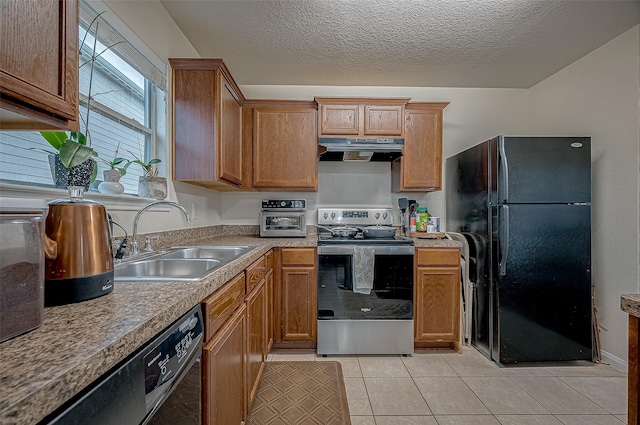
[{"x": 127, "y": 110}]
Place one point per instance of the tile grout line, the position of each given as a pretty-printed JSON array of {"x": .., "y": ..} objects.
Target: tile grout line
[
  {"x": 584, "y": 395},
  {"x": 366, "y": 390},
  {"x": 467, "y": 385}
]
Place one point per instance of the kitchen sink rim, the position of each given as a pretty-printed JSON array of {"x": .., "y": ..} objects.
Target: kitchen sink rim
[{"x": 162, "y": 256}]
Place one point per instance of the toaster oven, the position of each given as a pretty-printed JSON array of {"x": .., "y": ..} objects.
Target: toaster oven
[{"x": 283, "y": 218}]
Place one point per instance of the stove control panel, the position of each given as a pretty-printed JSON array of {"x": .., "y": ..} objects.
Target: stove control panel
[
  {"x": 355, "y": 216},
  {"x": 284, "y": 204}
]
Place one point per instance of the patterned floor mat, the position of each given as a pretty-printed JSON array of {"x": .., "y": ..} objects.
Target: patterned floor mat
[{"x": 300, "y": 393}]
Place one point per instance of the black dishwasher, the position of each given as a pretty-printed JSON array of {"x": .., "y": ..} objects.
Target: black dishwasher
[{"x": 159, "y": 384}]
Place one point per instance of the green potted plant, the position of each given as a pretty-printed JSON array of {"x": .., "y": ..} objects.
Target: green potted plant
[
  {"x": 72, "y": 163},
  {"x": 150, "y": 185},
  {"x": 117, "y": 168}
]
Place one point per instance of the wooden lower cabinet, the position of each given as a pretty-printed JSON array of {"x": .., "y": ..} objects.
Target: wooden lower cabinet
[
  {"x": 256, "y": 334},
  {"x": 224, "y": 373},
  {"x": 269, "y": 288},
  {"x": 221, "y": 305},
  {"x": 437, "y": 298},
  {"x": 296, "y": 298},
  {"x": 239, "y": 334}
]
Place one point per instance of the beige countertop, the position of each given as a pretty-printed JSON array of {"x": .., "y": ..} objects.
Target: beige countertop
[
  {"x": 630, "y": 303},
  {"x": 77, "y": 343}
]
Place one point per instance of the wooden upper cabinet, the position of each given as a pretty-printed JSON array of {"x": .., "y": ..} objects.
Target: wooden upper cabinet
[
  {"x": 230, "y": 147},
  {"x": 420, "y": 167},
  {"x": 285, "y": 148},
  {"x": 383, "y": 120},
  {"x": 360, "y": 117},
  {"x": 339, "y": 119},
  {"x": 39, "y": 64},
  {"x": 207, "y": 124}
]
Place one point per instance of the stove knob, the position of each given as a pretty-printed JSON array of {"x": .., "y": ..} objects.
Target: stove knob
[
  {"x": 283, "y": 203},
  {"x": 326, "y": 215},
  {"x": 377, "y": 216},
  {"x": 333, "y": 216},
  {"x": 384, "y": 216}
]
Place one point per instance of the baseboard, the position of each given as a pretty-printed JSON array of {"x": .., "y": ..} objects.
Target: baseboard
[{"x": 615, "y": 362}]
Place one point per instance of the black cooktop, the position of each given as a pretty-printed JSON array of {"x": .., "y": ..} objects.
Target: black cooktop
[{"x": 359, "y": 239}]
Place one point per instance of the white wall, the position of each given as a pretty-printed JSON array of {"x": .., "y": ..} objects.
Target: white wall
[
  {"x": 598, "y": 96},
  {"x": 151, "y": 23}
]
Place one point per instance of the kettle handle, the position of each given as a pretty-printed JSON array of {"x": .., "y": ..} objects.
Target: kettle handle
[{"x": 50, "y": 248}]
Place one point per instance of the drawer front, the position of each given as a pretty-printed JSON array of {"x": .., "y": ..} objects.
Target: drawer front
[
  {"x": 299, "y": 256},
  {"x": 438, "y": 257},
  {"x": 219, "y": 307},
  {"x": 255, "y": 273}
]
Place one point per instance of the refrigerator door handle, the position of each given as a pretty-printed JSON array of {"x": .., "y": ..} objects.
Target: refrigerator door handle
[
  {"x": 504, "y": 239},
  {"x": 504, "y": 175}
]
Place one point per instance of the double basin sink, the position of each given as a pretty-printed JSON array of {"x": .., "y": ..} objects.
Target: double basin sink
[{"x": 179, "y": 263}]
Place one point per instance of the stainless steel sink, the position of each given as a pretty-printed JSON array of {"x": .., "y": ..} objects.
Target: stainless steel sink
[
  {"x": 221, "y": 253},
  {"x": 179, "y": 263},
  {"x": 165, "y": 269}
]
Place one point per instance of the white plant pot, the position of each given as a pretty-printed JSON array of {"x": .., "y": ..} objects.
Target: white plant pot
[{"x": 111, "y": 184}]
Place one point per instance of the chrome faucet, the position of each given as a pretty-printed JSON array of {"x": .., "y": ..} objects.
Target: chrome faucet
[{"x": 134, "y": 244}]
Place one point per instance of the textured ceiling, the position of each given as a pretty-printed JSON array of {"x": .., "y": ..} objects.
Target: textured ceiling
[{"x": 425, "y": 43}]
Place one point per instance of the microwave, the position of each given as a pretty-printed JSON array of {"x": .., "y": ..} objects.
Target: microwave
[{"x": 283, "y": 218}]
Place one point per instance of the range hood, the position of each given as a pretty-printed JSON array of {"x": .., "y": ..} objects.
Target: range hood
[{"x": 360, "y": 149}]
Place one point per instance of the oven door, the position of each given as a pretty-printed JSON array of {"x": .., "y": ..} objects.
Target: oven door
[
  {"x": 391, "y": 296},
  {"x": 377, "y": 323},
  {"x": 283, "y": 224}
]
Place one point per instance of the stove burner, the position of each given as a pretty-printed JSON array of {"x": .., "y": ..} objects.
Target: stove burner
[{"x": 359, "y": 239}]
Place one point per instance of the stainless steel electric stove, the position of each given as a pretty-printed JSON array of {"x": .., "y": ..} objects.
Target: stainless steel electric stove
[{"x": 350, "y": 321}]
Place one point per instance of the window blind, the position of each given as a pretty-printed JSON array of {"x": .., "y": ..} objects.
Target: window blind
[{"x": 146, "y": 64}]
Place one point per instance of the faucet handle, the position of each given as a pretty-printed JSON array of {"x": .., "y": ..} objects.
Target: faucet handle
[{"x": 147, "y": 243}]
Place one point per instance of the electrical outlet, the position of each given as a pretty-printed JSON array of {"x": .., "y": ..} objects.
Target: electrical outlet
[{"x": 194, "y": 211}]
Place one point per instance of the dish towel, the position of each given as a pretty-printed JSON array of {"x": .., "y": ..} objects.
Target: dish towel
[{"x": 363, "y": 258}]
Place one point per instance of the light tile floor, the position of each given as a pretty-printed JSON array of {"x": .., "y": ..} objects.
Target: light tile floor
[{"x": 446, "y": 388}]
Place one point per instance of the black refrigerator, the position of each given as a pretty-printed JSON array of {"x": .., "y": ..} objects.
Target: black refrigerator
[{"x": 524, "y": 206}]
